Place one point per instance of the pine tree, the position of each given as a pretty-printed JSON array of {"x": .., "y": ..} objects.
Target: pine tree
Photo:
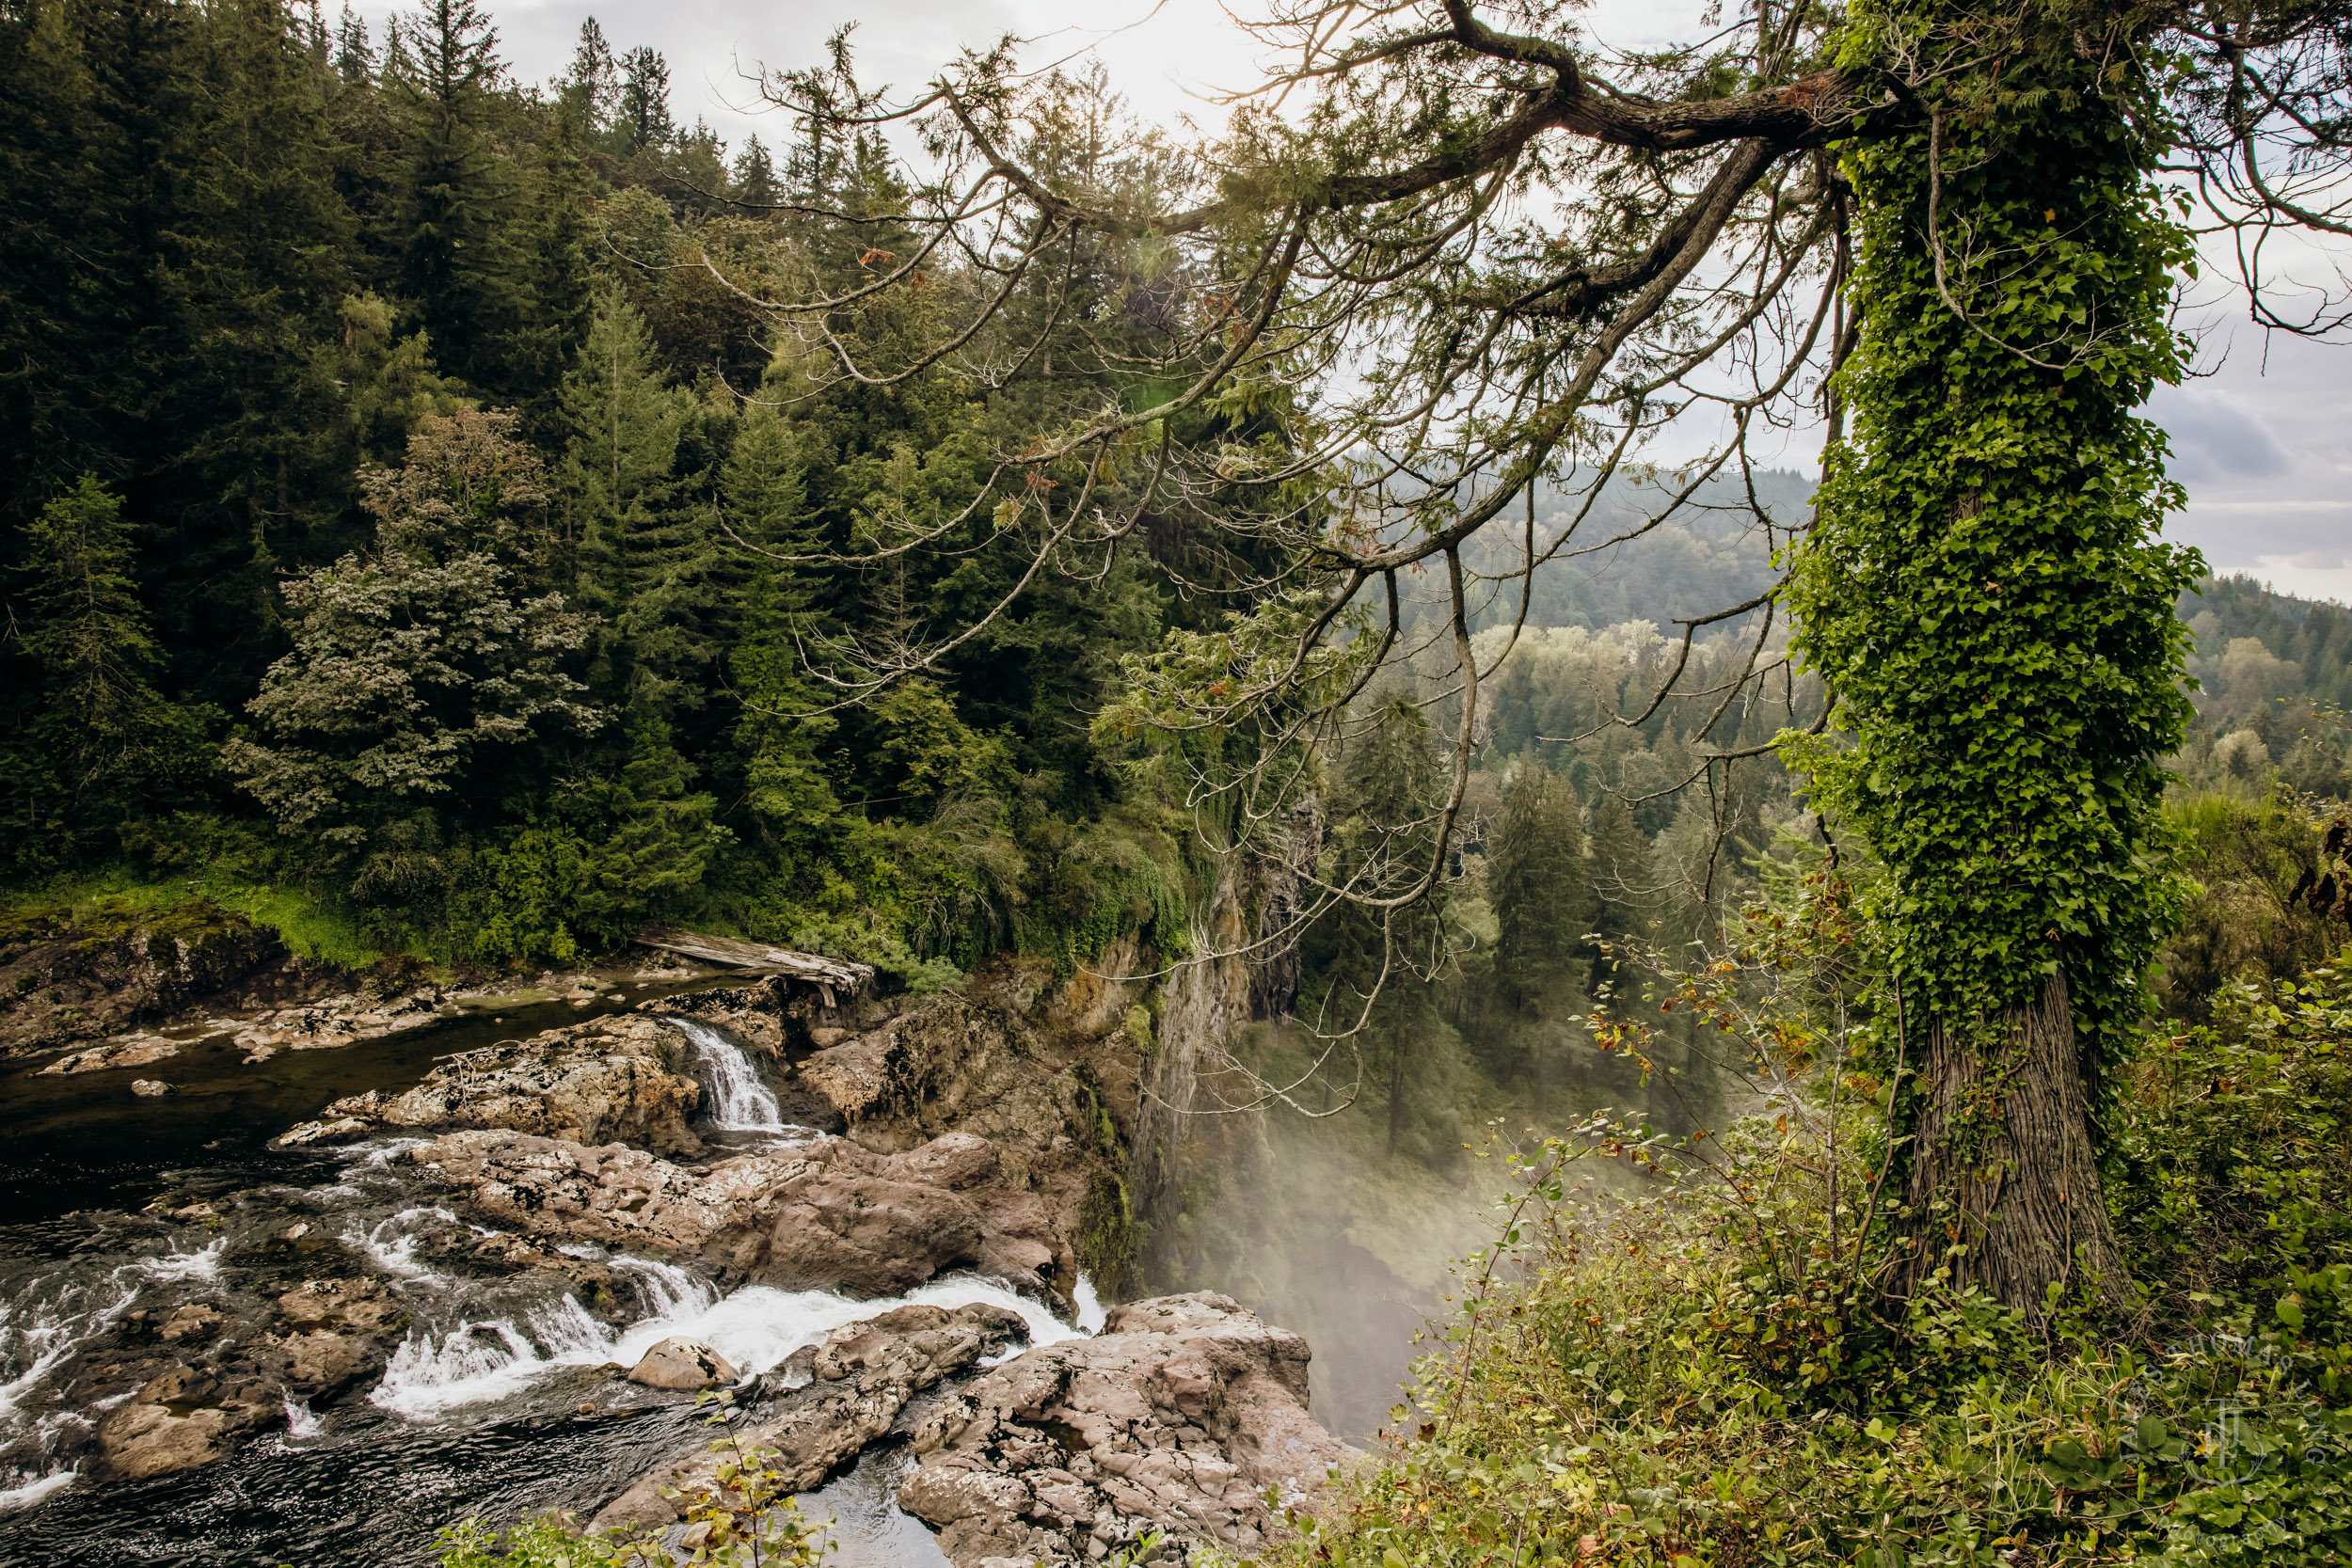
[
  {"x": 1536, "y": 879},
  {"x": 457, "y": 197},
  {"x": 766, "y": 499},
  {"x": 642, "y": 120}
]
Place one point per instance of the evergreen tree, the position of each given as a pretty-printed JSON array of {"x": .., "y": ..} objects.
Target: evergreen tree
[
  {"x": 1620, "y": 879},
  {"x": 1383, "y": 836},
  {"x": 620, "y": 486},
  {"x": 101, "y": 729},
  {"x": 591, "y": 85},
  {"x": 642, "y": 119},
  {"x": 559, "y": 271},
  {"x": 355, "y": 57},
  {"x": 455, "y": 264},
  {"x": 785, "y": 789},
  {"x": 254, "y": 279},
  {"x": 1543, "y": 905},
  {"x": 755, "y": 174}
]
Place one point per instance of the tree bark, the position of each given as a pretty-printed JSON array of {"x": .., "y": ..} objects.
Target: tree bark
[{"x": 2002, "y": 1164}]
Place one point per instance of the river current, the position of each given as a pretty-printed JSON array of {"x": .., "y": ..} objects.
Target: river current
[{"x": 498, "y": 1403}]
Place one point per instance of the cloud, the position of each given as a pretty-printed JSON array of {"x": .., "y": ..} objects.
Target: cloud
[{"x": 2213, "y": 438}]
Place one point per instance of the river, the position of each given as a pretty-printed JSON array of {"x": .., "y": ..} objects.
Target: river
[{"x": 500, "y": 1399}]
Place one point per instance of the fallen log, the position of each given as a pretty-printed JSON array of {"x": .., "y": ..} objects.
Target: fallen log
[{"x": 831, "y": 974}]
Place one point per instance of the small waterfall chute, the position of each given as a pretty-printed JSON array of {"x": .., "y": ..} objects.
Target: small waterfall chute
[{"x": 739, "y": 1100}]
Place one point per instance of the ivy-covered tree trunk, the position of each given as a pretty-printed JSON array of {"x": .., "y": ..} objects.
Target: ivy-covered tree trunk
[{"x": 1986, "y": 593}]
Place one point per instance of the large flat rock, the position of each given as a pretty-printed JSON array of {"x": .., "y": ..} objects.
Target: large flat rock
[{"x": 1179, "y": 1416}]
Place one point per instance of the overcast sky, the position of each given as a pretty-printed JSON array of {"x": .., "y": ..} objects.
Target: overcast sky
[{"x": 2263, "y": 442}]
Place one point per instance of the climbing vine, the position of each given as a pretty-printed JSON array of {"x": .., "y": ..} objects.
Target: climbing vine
[{"x": 1984, "y": 588}]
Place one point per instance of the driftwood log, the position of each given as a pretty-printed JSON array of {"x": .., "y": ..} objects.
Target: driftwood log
[{"x": 828, "y": 974}]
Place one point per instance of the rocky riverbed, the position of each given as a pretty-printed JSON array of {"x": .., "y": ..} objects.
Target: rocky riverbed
[{"x": 322, "y": 1298}]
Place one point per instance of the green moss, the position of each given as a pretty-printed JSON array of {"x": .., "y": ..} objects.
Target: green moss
[
  {"x": 107, "y": 905},
  {"x": 1109, "y": 1235}
]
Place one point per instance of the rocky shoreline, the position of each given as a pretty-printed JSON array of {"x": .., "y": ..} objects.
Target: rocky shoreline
[{"x": 901, "y": 1143}]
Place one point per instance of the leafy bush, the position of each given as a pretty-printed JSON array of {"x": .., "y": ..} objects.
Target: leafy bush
[{"x": 1679, "y": 1352}]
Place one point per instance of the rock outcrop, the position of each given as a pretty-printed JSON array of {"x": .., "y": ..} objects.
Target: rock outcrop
[
  {"x": 67, "y": 978},
  {"x": 1057, "y": 1100},
  {"x": 1178, "y": 1417},
  {"x": 330, "y": 1022},
  {"x": 860, "y": 1378},
  {"x": 127, "y": 1051},
  {"x": 185, "y": 1418},
  {"x": 827, "y": 1215},
  {"x": 609, "y": 1080}
]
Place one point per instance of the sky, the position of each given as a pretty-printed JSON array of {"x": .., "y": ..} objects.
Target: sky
[{"x": 2262, "y": 437}]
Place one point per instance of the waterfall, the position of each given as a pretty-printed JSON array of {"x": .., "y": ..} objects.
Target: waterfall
[{"x": 739, "y": 1100}]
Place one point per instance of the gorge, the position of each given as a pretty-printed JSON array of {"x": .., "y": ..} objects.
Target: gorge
[{"x": 321, "y": 1299}]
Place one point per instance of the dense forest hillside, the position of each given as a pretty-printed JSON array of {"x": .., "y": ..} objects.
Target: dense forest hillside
[{"x": 406, "y": 502}]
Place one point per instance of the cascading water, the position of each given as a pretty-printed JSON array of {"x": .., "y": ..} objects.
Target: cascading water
[
  {"x": 738, "y": 1100},
  {"x": 496, "y": 1401}
]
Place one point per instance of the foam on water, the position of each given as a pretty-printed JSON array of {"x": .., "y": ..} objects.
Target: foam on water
[
  {"x": 756, "y": 1329},
  {"x": 301, "y": 1421},
  {"x": 203, "y": 1264},
  {"x": 24, "y": 1491},
  {"x": 393, "y": 1242},
  {"x": 50, "y": 1318}
]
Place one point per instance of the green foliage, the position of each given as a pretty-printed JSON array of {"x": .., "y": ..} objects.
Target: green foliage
[
  {"x": 97, "y": 739},
  {"x": 2244, "y": 859},
  {"x": 410, "y": 661},
  {"x": 1984, "y": 589},
  {"x": 1673, "y": 1355}
]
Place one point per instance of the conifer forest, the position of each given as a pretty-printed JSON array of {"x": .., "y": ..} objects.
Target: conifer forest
[{"x": 1476, "y": 813}]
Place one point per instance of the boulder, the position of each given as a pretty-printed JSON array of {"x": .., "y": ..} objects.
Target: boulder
[
  {"x": 826, "y": 1215},
  {"x": 150, "y": 1088},
  {"x": 193, "y": 1321},
  {"x": 609, "y": 1080},
  {"x": 860, "y": 1378},
  {"x": 1179, "y": 1416},
  {"x": 359, "y": 1305},
  {"x": 686, "y": 1365},
  {"x": 176, "y": 1421}
]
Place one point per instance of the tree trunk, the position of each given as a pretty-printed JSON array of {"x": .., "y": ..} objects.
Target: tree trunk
[{"x": 2002, "y": 1143}]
